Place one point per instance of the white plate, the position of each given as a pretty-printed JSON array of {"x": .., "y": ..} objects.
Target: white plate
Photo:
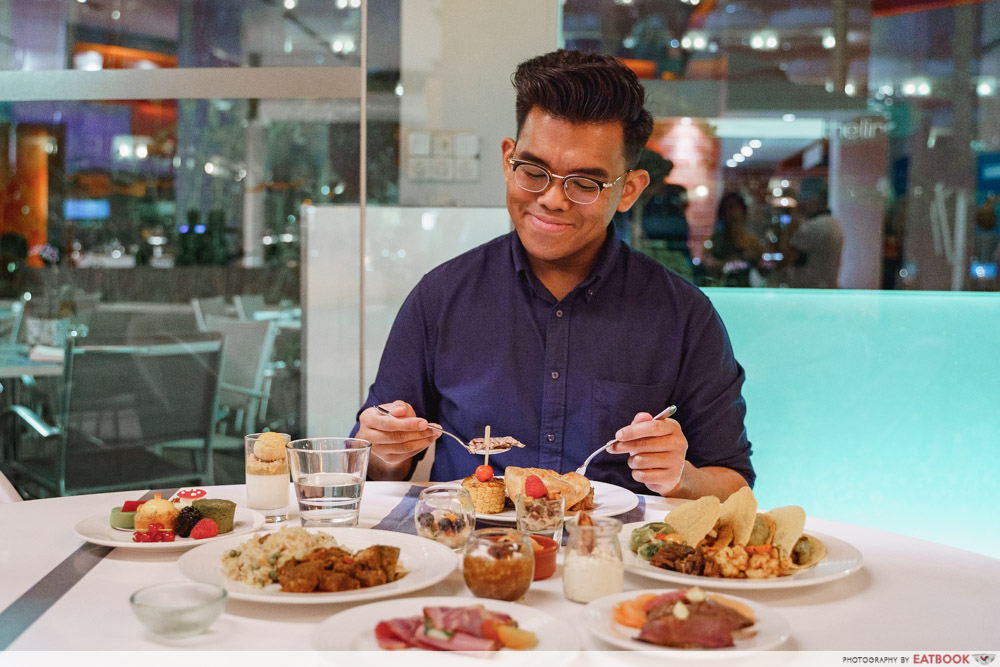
[
  {"x": 771, "y": 627},
  {"x": 609, "y": 500},
  {"x": 842, "y": 560},
  {"x": 354, "y": 628},
  {"x": 97, "y": 530},
  {"x": 427, "y": 561}
]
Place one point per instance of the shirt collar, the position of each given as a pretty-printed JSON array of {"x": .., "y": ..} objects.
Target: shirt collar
[{"x": 607, "y": 259}]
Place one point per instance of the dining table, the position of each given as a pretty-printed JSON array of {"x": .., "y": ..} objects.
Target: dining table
[{"x": 61, "y": 592}]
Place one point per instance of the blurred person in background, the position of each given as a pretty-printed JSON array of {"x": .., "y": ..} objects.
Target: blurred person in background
[
  {"x": 733, "y": 254},
  {"x": 816, "y": 242}
]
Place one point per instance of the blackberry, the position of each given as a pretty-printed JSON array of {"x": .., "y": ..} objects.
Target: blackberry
[{"x": 186, "y": 520}]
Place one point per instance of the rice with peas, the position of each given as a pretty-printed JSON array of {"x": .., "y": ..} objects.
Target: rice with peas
[{"x": 256, "y": 561}]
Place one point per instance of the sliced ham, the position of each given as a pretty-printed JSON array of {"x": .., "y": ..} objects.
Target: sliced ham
[
  {"x": 398, "y": 633},
  {"x": 469, "y": 619},
  {"x": 460, "y": 641}
]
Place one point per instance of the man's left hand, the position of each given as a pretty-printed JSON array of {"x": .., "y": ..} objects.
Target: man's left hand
[{"x": 656, "y": 451}]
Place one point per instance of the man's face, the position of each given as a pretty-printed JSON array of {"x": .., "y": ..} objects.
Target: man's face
[{"x": 554, "y": 230}]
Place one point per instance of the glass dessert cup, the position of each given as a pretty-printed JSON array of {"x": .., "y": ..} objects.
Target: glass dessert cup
[
  {"x": 445, "y": 514},
  {"x": 499, "y": 563}
]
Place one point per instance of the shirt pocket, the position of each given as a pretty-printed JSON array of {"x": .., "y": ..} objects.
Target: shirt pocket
[{"x": 616, "y": 404}]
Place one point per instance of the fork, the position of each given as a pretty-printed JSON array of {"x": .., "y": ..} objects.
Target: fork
[
  {"x": 583, "y": 469},
  {"x": 468, "y": 447}
]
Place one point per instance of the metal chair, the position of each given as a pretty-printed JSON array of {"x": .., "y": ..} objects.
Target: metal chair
[
  {"x": 248, "y": 304},
  {"x": 214, "y": 305},
  {"x": 8, "y": 494},
  {"x": 246, "y": 363},
  {"x": 122, "y": 407}
]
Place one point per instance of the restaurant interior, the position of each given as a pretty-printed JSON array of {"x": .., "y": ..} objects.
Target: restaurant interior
[{"x": 278, "y": 175}]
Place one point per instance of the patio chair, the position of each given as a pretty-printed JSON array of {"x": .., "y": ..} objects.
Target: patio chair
[
  {"x": 122, "y": 407},
  {"x": 246, "y": 362},
  {"x": 8, "y": 494},
  {"x": 248, "y": 304},
  {"x": 214, "y": 305}
]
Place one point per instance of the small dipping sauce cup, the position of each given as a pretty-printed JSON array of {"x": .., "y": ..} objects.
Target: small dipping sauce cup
[
  {"x": 181, "y": 609},
  {"x": 499, "y": 563}
]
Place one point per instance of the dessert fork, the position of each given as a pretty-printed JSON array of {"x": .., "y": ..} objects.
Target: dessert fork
[
  {"x": 468, "y": 446},
  {"x": 583, "y": 469}
]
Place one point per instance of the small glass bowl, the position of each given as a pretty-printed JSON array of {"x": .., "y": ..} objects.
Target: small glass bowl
[{"x": 179, "y": 609}]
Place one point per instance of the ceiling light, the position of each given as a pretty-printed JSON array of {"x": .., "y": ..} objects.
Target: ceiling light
[
  {"x": 754, "y": 143},
  {"x": 984, "y": 89},
  {"x": 290, "y": 4},
  {"x": 788, "y": 117},
  {"x": 739, "y": 157},
  {"x": 731, "y": 163},
  {"x": 746, "y": 150},
  {"x": 829, "y": 41}
]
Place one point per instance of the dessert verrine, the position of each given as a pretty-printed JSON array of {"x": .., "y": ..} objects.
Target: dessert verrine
[{"x": 267, "y": 472}]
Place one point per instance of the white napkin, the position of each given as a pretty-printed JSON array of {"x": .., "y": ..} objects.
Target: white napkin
[{"x": 46, "y": 353}]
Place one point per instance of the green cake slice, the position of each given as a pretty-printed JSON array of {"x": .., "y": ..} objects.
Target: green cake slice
[{"x": 218, "y": 510}]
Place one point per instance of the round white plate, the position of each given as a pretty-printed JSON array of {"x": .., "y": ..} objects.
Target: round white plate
[
  {"x": 354, "y": 629},
  {"x": 771, "y": 627},
  {"x": 97, "y": 530},
  {"x": 842, "y": 560},
  {"x": 427, "y": 561},
  {"x": 609, "y": 500}
]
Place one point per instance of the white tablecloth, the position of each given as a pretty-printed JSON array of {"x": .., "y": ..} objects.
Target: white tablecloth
[{"x": 910, "y": 595}]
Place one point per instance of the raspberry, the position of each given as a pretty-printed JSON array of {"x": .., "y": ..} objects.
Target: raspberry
[
  {"x": 205, "y": 528},
  {"x": 484, "y": 473},
  {"x": 534, "y": 487}
]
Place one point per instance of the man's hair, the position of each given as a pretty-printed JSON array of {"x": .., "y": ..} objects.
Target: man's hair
[{"x": 585, "y": 88}]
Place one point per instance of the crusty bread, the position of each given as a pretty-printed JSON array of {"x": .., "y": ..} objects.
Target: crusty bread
[{"x": 571, "y": 486}]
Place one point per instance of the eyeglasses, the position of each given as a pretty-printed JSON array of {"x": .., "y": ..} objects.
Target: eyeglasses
[{"x": 578, "y": 189}]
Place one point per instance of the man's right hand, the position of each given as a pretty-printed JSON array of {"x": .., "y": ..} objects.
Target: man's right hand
[{"x": 395, "y": 438}]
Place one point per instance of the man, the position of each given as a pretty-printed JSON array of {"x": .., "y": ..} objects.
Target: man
[
  {"x": 558, "y": 334},
  {"x": 813, "y": 254}
]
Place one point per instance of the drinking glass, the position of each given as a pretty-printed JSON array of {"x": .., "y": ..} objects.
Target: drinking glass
[
  {"x": 445, "y": 514},
  {"x": 329, "y": 475},
  {"x": 267, "y": 475},
  {"x": 541, "y": 516}
]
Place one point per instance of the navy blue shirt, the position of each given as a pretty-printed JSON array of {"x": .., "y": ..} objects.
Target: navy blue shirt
[{"x": 481, "y": 341}]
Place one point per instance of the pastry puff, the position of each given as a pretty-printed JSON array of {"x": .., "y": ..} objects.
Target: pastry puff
[{"x": 269, "y": 446}]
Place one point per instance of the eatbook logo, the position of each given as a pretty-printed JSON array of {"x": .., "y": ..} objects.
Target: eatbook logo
[{"x": 984, "y": 658}]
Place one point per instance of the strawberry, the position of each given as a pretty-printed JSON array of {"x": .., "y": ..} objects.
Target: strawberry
[
  {"x": 205, "y": 528},
  {"x": 484, "y": 473},
  {"x": 534, "y": 487}
]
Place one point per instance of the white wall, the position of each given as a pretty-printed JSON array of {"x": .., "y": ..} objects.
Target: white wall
[{"x": 456, "y": 60}]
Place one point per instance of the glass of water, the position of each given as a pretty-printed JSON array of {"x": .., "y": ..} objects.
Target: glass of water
[{"x": 328, "y": 475}]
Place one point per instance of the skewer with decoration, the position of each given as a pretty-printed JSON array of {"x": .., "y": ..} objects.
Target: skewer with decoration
[{"x": 484, "y": 473}]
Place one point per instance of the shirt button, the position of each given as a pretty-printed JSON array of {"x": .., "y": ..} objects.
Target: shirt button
[
  {"x": 558, "y": 313},
  {"x": 551, "y": 437},
  {"x": 555, "y": 375}
]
